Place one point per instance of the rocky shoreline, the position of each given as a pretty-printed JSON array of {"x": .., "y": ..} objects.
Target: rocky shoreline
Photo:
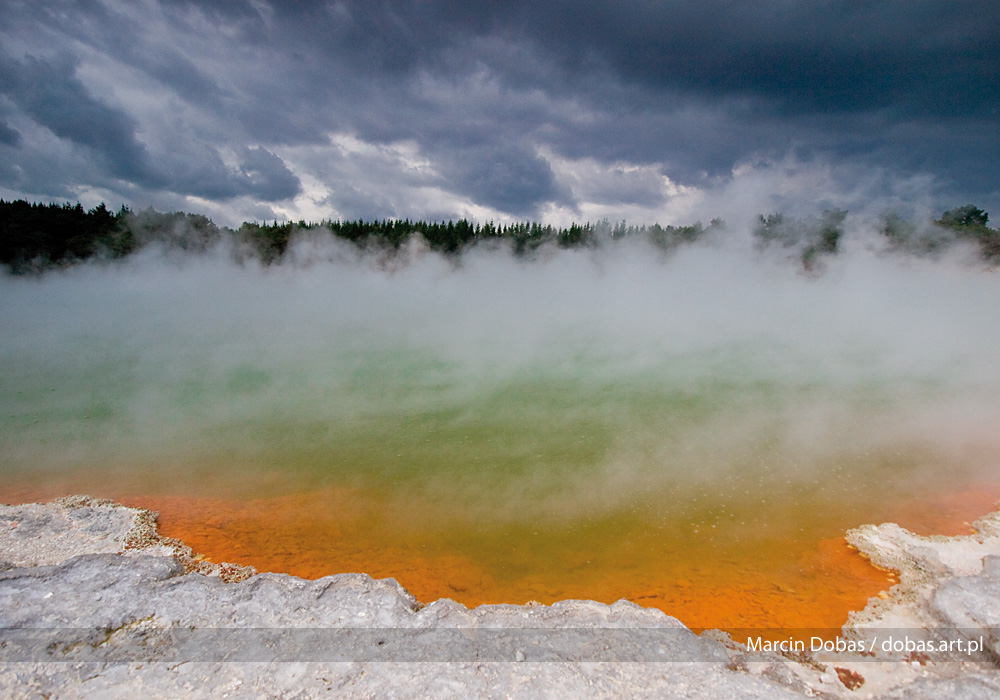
[{"x": 95, "y": 603}]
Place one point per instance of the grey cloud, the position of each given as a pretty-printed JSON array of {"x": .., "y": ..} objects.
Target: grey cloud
[
  {"x": 689, "y": 87},
  {"x": 351, "y": 203},
  {"x": 266, "y": 176},
  {"x": 52, "y": 96},
  {"x": 918, "y": 57},
  {"x": 49, "y": 92},
  {"x": 175, "y": 71},
  {"x": 507, "y": 178},
  {"x": 374, "y": 183},
  {"x": 241, "y": 11},
  {"x": 922, "y": 57},
  {"x": 9, "y": 136},
  {"x": 624, "y": 188},
  {"x": 802, "y": 74},
  {"x": 206, "y": 176},
  {"x": 111, "y": 31},
  {"x": 32, "y": 171},
  {"x": 203, "y": 173}
]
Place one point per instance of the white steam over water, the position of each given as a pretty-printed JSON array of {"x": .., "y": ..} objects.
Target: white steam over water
[{"x": 699, "y": 389}]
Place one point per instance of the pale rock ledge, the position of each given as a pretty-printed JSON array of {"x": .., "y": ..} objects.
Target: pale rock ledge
[{"x": 94, "y": 603}]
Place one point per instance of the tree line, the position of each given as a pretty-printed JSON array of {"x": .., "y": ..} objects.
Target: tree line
[{"x": 35, "y": 237}]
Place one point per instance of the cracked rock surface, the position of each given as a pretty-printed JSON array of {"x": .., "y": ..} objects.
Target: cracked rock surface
[{"x": 93, "y": 603}]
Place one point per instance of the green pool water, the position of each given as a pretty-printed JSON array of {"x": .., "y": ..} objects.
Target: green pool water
[{"x": 514, "y": 413}]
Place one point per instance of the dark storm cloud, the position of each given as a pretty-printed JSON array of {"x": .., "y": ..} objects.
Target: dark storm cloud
[
  {"x": 9, "y": 136},
  {"x": 51, "y": 94},
  {"x": 125, "y": 39},
  {"x": 260, "y": 174},
  {"x": 918, "y": 57},
  {"x": 507, "y": 178},
  {"x": 266, "y": 176},
  {"x": 768, "y": 72},
  {"x": 482, "y": 90},
  {"x": 55, "y": 99}
]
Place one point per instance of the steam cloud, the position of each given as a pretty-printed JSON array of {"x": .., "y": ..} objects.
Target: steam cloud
[{"x": 576, "y": 383}]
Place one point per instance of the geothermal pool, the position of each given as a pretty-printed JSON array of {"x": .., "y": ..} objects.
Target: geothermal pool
[{"x": 693, "y": 433}]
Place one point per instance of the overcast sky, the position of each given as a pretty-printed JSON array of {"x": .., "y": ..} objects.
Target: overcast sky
[{"x": 647, "y": 110}]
